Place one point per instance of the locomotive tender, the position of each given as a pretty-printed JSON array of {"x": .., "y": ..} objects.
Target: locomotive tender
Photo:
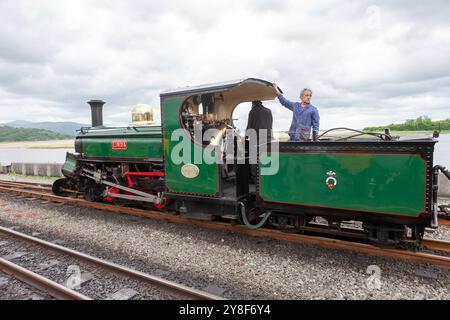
[{"x": 388, "y": 186}]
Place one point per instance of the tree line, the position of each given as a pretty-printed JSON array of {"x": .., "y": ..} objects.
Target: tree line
[
  {"x": 423, "y": 123},
  {"x": 9, "y": 134}
]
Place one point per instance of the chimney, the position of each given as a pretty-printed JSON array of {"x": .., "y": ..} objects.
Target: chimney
[{"x": 96, "y": 112}]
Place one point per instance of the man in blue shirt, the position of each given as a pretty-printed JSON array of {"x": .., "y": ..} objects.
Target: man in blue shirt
[{"x": 305, "y": 116}]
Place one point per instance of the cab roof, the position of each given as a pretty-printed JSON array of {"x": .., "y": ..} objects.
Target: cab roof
[{"x": 214, "y": 87}]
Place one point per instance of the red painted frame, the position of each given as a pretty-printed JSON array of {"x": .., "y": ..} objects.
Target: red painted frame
[{"x": 141, "y": 174}]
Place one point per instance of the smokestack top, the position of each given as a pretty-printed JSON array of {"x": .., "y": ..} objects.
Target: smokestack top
[
  {"x": 96, "y": 102},
  {"x": 97, "y": 112}
]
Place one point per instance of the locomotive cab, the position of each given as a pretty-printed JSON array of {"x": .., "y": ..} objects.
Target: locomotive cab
[{"x": 213, "y": 162}]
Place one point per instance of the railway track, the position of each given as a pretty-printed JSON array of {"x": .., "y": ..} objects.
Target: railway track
[
  {"x": 41, "y": 283},
  {"x": 47, "y": 188},
  {"x": 59, "y": 291},
  {"x": 439, "y": 257}
]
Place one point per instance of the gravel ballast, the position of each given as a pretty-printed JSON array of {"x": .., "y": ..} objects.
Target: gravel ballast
[
  {"x": 232, "y": 265},
  {"x": 97, "y": 282},
  {"x": 14, "y": 289}
]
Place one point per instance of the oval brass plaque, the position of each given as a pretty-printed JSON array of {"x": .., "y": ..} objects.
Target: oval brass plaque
[{"x": 190, "y": 171}]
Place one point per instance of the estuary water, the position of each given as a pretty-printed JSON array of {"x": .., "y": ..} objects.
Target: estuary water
[
  {"x": 33, "y": 155},
  {"x": 441, "y": 155}
]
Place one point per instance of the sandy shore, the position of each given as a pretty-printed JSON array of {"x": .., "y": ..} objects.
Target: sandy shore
[{"x": 52, "y": 144}]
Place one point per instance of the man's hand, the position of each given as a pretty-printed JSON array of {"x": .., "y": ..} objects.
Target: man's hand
[{"x": 276, "y": 88}]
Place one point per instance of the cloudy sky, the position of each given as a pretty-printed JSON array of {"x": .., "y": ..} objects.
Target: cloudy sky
[{"x": 368, "y": 62}]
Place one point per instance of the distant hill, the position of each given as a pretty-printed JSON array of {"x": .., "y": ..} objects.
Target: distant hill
[
  {"x": 67, "y": 127},
  {"x": 9, "y": 134}
]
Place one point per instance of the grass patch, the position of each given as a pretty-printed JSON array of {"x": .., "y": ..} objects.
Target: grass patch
[{"x": 416, "y": 133}]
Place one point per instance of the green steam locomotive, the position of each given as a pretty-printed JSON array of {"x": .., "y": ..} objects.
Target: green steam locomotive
[{"x": 383, "y": 187}]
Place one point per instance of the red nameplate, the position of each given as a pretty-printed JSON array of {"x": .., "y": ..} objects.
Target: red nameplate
[{"x": 120, "y": 145}]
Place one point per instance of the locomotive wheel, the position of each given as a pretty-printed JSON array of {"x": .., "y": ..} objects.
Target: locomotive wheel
[
  {"x": 166, "y": 201},
  {"x": 385, "y": 235},
  {"x": 287, "y": 223},
  {"x": 417, "y": 232},
  {"x": 309, "y": 218},
  {"x": 254, "y": 215},
  {"x": 93, "y": 192},
  {"x": 58, "y": 187},
  {"x": 112, "y": 190}
]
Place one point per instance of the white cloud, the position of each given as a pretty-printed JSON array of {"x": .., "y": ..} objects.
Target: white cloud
[{"x": 368, "y": 62}]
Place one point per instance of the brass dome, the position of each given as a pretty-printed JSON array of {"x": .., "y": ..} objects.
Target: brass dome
[{"x": 142, "y": 115}]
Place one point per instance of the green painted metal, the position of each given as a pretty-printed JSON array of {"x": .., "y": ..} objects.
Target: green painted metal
[
  {"x": 384, "y": 183},
  {"x": 206, "y": 183},
  {"x": 142, "y": 142},
  {"x": 70, "y": 165}
]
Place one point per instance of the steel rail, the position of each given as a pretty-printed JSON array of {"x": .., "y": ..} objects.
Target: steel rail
[
  {"x": 48, "y": 187},
  {"x": 420, "y": 257},
  {"x": 39, "y": 282},
  {"x": 33, "y": 186},
  {"x": 27, "y": 186},
  {"x": 439, "y": 245},
  {"x": 169, "y": 286}
]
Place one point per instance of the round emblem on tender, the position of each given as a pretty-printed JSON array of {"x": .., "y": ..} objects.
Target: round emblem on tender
[
  {"x": 190, "y": 171},
  {"x": 331, "y": 180}
]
